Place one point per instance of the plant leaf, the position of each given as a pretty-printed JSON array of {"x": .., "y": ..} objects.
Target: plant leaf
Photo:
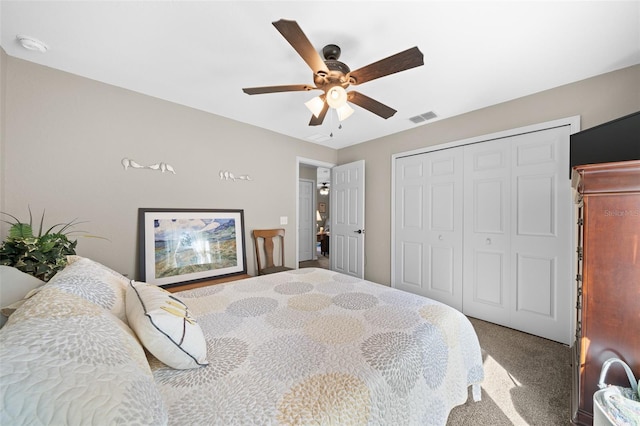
[{"x": 20, "y": 230}]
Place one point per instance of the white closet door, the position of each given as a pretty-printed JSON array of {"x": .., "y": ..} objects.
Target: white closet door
[
  {"x": 487, "y": 188},
  {"x": 517, "y": 233},
  {"x": 486, "y": 228},
  {"x": 541, "y": 212},
  {"x": 428, "y": 226}
]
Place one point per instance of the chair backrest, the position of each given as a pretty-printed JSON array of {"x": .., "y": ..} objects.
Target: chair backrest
[{"x": 265, "y": 238}]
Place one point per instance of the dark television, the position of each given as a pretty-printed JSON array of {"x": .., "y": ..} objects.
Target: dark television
[{"x": 617, "y": 140}]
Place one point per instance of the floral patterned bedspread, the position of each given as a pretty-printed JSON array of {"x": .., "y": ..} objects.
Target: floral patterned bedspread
[{"x": 313, "y": 346}]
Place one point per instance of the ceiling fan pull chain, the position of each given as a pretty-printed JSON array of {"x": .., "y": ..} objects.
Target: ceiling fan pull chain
[{"x": 331, "y": 126}]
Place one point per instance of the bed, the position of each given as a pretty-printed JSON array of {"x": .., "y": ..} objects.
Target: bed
[{"x": 308, "y": 346}]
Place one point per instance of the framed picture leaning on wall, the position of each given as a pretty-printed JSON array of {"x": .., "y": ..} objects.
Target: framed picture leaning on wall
[{"x": 177, "y": 246}]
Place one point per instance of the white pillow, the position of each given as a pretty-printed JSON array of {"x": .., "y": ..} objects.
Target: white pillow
[
  {"x": 67, "y": 361},
  {"x": 164, "y": 326},
  {"x": 94, "y": 282},
  {"x": 15, "y": 287}
]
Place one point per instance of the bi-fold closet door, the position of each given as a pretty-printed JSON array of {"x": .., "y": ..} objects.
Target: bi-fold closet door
[
  {"x": 428, "y": 225},
  {"x": 486, "y": 228}
]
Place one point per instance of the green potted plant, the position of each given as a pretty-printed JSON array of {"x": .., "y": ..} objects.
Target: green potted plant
[{"x": 42, "y": 254}]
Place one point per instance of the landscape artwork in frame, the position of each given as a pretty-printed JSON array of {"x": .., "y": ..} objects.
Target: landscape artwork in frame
[{"x": 187, "y": 245}]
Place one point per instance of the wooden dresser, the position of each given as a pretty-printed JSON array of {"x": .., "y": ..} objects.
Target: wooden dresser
[{"x": 608, "y": 280}]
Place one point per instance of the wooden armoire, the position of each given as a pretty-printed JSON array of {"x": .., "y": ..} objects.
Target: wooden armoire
[{"x": 608, "y": 278}]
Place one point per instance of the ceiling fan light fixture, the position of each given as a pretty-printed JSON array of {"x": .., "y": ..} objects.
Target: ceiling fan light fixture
[
  {"x": 315, "y": 105},
  {"x": 336, "y": 97},
  {"x": 344, "y": 112}
]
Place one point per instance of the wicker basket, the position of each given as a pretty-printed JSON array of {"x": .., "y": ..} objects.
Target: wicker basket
[{"x": 616, "y": 405}]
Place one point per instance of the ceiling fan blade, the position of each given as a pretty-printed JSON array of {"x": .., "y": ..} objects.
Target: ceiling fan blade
[
  {"x": 316, "y": 121},
  {"x": 370, "y": 104},
  {"x": 275, "y": 89},
  {"x": 402, "y": 61},
  {"x": 292, "y": 32}
]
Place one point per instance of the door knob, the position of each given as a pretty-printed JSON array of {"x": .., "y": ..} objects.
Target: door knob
[
  {"x": 440, "y": 237},
  {"x": 359, "y": 231},
  {"x": 488, "y": 241}
]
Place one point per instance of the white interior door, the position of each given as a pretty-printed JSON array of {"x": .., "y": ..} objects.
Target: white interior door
[
  {"x": 541, "y": 244},
  {"x": 347, "y": 219},
  {"x": 428, "y": 231},
  {"x": 306, "y": 227},
  {"x": 517, "y": 239},
  {"x": 487, "y": 229}
]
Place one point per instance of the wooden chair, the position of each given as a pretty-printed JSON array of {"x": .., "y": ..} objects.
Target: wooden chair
[{"x": 264, "y": 241}]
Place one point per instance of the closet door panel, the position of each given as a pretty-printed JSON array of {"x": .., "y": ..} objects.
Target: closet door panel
[
  {"x": 536, "y": 285},
  {"x": 486, "y": 290},
  {"x": 489, "y": 279},
  {"x": 409, "y": 227},
  {"x": 444, "y": 234},
  {"x": 412, "y": 213},
  {"x": 429, "y": 190},
  {"x": 541, "y": 211},
  {"x": 411, "y": 266},
  {"x": 489, "y": 202},
  {"x": 441, "y": 266}
]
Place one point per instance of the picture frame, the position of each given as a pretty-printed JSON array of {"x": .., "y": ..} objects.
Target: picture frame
[
  {"x": 178, "y": 246},
  {"x": 322, "y": 207}
]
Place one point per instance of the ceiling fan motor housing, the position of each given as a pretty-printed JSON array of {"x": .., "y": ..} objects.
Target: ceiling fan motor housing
[
  {"x": 337, "y": 70},
  {"x": 331, "y": 52}
]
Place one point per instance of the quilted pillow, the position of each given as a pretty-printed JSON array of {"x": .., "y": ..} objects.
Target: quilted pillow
[
  {"x": 66, "y": 360},
  {"x": 164, "y": 326},
  {"x": 15, "y": 288},
  {"x": 93, "y": 282}
]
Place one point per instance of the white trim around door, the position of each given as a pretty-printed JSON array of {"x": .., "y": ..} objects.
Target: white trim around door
[{"x": 310, "y": 162}]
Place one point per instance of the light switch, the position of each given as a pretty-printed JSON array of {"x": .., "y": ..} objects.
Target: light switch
[{"x": 284, "y": 220}]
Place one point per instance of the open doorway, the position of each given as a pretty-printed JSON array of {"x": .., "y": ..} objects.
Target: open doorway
[{"x": 316, "y": 206}]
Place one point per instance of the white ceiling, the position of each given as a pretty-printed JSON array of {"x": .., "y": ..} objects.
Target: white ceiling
[{"x": 201, "y": 54}]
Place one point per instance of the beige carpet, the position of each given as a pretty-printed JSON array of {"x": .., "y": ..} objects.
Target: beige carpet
[{"x": 527, "y": 381}]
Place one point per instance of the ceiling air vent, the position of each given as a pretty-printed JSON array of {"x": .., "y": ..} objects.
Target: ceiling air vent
[
  {"x": 423, "y": 117},
  {"x": 318, "y": 138}
]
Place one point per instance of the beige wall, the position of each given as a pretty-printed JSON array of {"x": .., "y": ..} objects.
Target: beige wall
[
  {"x": 308, "y": 172},
  {"x": 3, "y": 85},
  {"x": 65, "y": 136},
  {"x": 596, "y": 100}
]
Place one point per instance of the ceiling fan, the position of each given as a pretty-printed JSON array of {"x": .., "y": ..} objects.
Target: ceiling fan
[{"x": 333, "y": 77}]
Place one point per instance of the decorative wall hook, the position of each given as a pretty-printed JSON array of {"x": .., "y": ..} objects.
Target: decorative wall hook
[
  {"x": 227, "y": 175},
  {"x": 163, "y": 167}
]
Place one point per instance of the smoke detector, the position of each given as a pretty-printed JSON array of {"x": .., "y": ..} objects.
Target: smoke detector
[{"x": 32, "y": 44}]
